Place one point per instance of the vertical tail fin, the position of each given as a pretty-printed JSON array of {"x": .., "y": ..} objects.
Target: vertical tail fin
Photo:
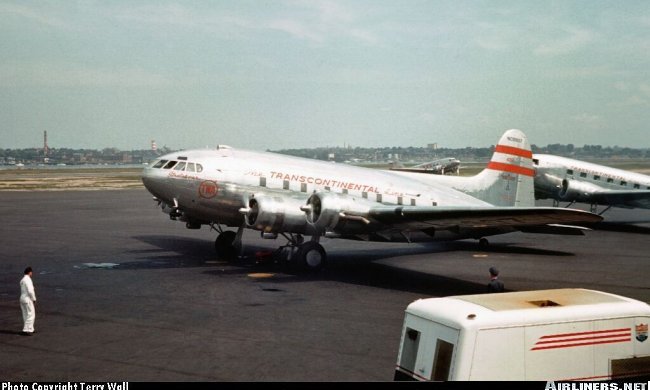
[{"x": 508, "y": 178}]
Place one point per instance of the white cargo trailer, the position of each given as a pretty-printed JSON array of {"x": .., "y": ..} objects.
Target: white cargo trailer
[{"x": 561, "y": 334}]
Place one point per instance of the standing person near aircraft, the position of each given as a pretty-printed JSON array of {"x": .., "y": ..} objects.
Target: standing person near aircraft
[
  {"x": 27, "y": 299},
  {"x": 495, "y": 285}
]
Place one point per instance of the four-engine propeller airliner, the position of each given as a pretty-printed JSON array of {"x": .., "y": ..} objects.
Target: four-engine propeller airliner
[
  {"x": 565, "y": 179},
  {"x": 296, "y": 197}
]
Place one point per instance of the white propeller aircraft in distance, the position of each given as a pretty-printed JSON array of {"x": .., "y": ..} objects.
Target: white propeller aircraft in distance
[
  {"x": 443, "y": 166},
  {"x": 296, "y": 197},
  {"x": 565, "y": 179}
]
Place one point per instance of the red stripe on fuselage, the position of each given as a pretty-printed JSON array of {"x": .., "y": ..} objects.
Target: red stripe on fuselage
[
  {"x": 497, "y": 166},
  {"x": 514, "y": 151}
]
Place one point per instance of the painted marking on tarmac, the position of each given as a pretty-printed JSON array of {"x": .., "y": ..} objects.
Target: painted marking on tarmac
[
  {"x": 480, "y": 255},
  {"x": 260, "y": 275}
]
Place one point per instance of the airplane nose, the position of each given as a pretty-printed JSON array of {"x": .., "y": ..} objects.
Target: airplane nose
[
  {"x": 151, "y": 181},
  {"x": 145, "y": 176}
]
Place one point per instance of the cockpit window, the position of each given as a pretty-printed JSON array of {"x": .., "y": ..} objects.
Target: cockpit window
[
  {"x": 180, "y": 166},
  {"x": 159, "y": 163},
  {"x": 170, "y": 165}
]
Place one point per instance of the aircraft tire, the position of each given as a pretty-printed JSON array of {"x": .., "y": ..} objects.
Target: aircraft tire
[
  {"x": 483, "y": 243},
  {"x": 311, "y": 256},
  {"x": 224, "y": 245}
]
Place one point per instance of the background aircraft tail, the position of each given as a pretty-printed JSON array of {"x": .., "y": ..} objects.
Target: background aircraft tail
[{"x": 508, "y": 178}]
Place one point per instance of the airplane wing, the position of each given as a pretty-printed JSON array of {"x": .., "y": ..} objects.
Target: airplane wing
[{"x": 445, "y": 218}]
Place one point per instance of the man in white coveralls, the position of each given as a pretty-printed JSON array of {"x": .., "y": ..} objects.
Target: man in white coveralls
[{"x": 27, "y": 299}]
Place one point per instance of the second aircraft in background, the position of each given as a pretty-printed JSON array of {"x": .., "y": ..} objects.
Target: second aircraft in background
[
  {"x": 569, "y": 180},
  {"x": 443, "y": 166}
]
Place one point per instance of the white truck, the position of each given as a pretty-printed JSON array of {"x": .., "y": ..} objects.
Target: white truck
[{"x": 561, "y": 334}]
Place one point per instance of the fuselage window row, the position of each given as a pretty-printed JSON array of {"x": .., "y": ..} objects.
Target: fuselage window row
[{"x": 609, "y": 179}]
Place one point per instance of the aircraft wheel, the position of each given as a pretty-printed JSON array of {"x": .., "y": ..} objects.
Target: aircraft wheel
[
  {"x": 224, "y": 245},
  {"x": 284, "y": 256},
  {"x": 483, "y": 243},
  {"x": 311, "y": 256}
]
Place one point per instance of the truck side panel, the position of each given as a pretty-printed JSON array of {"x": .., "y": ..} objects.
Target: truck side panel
[
  {"x": 560, "y": 351},
  {"x": 621, "y": 346},
  {"x": 498, "y": 354}
]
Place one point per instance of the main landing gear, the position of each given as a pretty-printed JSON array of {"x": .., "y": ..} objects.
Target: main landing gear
[
  {"x": 296, "y": 255},
  {"x": 302, "y": 256}
]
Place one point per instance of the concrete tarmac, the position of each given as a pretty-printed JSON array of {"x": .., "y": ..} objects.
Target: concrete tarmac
[{"x": 125, "y": 294}]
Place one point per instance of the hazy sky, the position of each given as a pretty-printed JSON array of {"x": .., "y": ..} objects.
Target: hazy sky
[{"x": 291, "y": 73}]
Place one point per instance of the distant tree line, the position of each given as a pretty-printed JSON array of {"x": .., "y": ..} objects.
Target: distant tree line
[
  {"x": 78, "y": 156},
  {"x": 339, "y": 154},
  {"x": 382, "y": 154}
]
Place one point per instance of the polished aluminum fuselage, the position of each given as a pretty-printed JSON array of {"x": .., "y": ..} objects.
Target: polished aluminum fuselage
[
  {"x": 552, "y": 170},
  {"x": 231, "y": 177}
]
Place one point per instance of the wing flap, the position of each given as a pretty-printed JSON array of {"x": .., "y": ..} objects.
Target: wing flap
[{"x": 409, "y": 217}]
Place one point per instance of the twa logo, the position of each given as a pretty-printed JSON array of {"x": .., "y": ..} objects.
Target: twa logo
[
  {"x": 641, "y": 332},
  {"x": 569, "y": 340},
  {"x": 208, "y": 189}
]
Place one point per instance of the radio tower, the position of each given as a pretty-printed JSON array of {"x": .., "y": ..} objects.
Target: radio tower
[{"x": 45, "y": 147}]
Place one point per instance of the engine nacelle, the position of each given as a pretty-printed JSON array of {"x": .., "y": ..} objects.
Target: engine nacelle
[
  {"x": 275, "y": 214},
  {"x": 572, "y": 190},
  {"x": 327, "y": 211}
]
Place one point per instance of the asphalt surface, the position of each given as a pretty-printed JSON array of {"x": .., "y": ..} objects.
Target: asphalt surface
[{"x": 125, "y": 294}]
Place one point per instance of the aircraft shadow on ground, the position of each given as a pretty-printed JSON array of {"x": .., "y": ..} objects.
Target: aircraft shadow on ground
[
  {"x": 353, "y": 266},
  {"x": 622, "y": 227},
  {"x": 386, "y": 277},
  {"x": 171, "y": 252},
  {"x": 502, "y": 247},
  {"x": 360, "y": 267}
]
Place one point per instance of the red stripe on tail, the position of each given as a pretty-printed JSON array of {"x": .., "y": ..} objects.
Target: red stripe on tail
[
  {"x": 514, "y": 151},
  {"x": 497, "y": 166}
]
